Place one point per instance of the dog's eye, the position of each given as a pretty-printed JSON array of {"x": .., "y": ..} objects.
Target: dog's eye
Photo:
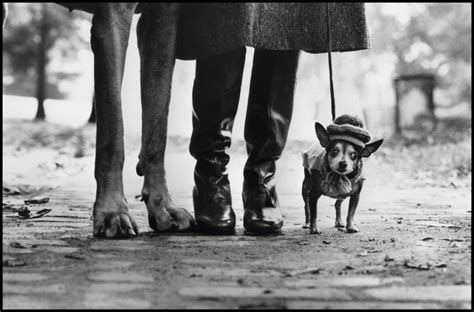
[
  {"x": 354, "y": 156},
  {"x": 334, "y": 152}
]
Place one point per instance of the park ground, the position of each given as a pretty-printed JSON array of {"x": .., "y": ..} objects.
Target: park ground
[{"x": 413, "y": 249}]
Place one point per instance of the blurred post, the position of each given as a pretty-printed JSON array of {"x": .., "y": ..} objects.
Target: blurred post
[
  {"x": 398, "y": 129},
  {"x": 42, "y": 62},
  {"x": 403, "y": 84}
]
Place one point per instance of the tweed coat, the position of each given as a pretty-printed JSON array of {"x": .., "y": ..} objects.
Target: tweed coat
[{"x": 206, "y": 29}]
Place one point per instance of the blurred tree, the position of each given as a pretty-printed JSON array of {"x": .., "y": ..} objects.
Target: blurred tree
[
  {"x": 427, "y": 38},
  {"x": 34, "y": 32}
]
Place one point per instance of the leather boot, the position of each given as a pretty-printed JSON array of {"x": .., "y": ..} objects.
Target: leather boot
[
  {"x": 212, "y": 200},
  {"x": 262, "y": 210},
  {"x": 216, "y": 95},
  {"x": 269, "y": 112}
]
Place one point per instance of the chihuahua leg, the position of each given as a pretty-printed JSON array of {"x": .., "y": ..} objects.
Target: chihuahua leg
[
  {"x": 338, "y": 204},
  {"x": 353, "y": 202},
  {"x": 305, "y": 192},
  {"x": 156, "y": 33},
  {"x": 109, "y": 39},
  {"x": 314, "y": 195},
  {"x": 313, "y": 213}
]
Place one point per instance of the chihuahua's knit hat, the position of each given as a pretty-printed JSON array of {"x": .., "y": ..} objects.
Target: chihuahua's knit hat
[{"x": 349, "y": 128}]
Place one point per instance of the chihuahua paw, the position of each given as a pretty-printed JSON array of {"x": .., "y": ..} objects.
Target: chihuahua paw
[
  {"x": 352, "y": 229},
  {"x": 306, "y": 225},
  {"x": 339, "y": 224},
  {"x": 315, "y": 231}
]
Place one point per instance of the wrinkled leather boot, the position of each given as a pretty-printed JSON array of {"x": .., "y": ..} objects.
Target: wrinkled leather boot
[
  {"x": 212, "y": 200},
  {"x": 262, "y": 211},
  {"x": 216, "y": 95},
  {"x": 269, "y": 112}
]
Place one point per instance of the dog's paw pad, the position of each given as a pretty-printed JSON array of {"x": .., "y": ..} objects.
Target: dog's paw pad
[
  {"x": 315, "y": 231},
  {"x": 339, "y": 225},
  {"x": 182, "y": 219},
  {"x": 114, "y": 225},
  {"x": 352, "y": 229}
]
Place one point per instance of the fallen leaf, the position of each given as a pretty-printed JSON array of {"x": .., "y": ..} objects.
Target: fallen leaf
[
  {"x": 326, "y": 242},
  {"x": 302, "y": 243},
  {"x": 16, "y": 245},
  {"x": 14, "y": 190},
  {"x": 348, "y": 267},
  {"x": 388, "y": 258},
  {"x": 76, "y": 256},
  {"x": 37, "y": 201},
  {"x": 454, "y": 227},
  {"x": 304, "y": 271},
  {"x": 13, "y": 263},
  {"x": 453, "y": 239},
  {"x": 374, "y": 251},
  {"x": 24, "y": 213},
  {"x": 427, "y": 238},
  {"x": 41, "y": 213},
  {"x": 420, "y": 266}
]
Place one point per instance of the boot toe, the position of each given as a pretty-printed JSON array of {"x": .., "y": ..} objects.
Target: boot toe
[
  {"x": 206, "y": 225},
  {"x": 269, "y": 221}
]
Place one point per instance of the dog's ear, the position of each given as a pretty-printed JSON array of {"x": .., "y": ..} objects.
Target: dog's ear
[
  {"x": 371, "y": 148},
  {"x": 322, "y": 134}
]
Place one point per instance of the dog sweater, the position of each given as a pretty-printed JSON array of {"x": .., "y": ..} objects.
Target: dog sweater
[{"x": 333, "y": 185}]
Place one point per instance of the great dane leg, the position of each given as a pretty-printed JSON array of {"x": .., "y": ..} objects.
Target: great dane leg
[
  {"x": 109, "y": 39},
  {"x": 156, "y": 34}
]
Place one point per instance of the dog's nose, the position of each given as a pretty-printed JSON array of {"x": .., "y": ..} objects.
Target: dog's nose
[{"x": 342, "y": 165}]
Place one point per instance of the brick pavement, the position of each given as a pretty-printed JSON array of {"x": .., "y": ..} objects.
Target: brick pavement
[{"x": 413, "y": 251}]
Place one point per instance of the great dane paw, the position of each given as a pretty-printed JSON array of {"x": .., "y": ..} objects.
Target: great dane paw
[
  {"x": 170, "y": 219},
  {"x": 352, "y": 229},
  {"x": 162, "y": 216},
  {"x": 315, "y": 230},
  {"x": 306, "y": 225},
  {"x": 114, "y": 225},
  {"x": 339, "y": 224},
  {"x": 182, "y": 219}
]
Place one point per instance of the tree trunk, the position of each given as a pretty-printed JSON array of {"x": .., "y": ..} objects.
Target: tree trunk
[
  {"x": 42, "y": 62},
  {"x": 92, "y": 116}
]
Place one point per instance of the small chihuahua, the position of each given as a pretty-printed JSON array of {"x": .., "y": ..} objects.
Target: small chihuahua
[{"x": 336, "y": 170}]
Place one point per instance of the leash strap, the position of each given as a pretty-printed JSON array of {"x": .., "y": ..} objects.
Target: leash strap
[{"x": 333, "y": 100}]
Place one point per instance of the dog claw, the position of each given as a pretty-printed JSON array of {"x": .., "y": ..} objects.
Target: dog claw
[
  {"x": 315, "y": 231},
  {"x": 352, "y": 229},
  {"x": 112, "y": 225},
  {"x": 339, "y": 225},
  {"x": 170, "y": 219},
  {"x": 182, "y": 219}
]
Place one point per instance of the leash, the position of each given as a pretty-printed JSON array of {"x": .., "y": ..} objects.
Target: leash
[{"x": 331, "y": 83}]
